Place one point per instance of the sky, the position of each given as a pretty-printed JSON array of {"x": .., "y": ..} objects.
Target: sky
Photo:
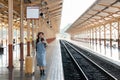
[{"x": 73, "y": 9}]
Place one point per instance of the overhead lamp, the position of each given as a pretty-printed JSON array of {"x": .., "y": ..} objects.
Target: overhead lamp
[
  {"x": 43, "y": 3},
  {"x": 1, "y": 5},
  {"x": 42, "y": 15},
  {"x": 27, "y": 1},
  {"x": 48, "y": 21},
  {"x": 50, "y": 26}
]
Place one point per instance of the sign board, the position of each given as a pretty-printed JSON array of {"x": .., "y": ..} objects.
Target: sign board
[{"x": 32, "y": 12}]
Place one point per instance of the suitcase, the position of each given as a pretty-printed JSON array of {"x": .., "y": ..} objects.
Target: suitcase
[{"x": 29, "y": 69}]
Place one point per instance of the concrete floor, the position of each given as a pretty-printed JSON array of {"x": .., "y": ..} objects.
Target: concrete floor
[{"x": 54, "y": 69}]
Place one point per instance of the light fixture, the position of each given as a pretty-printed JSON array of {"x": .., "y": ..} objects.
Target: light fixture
[
  {"x": 47, "y": 22},
  {"x": 27, "y": 1},
  {"x": 1, "y": 5},
  {"x": 43, "y": 3},
  {"x": 41, "y": 14},
  {"x": 50, "y": 26}
]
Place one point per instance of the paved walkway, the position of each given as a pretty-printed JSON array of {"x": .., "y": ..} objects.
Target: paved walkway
[{"x": 54, "y": 70}]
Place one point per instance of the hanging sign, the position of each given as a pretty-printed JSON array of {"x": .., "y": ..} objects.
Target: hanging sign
[{"x": 32, "y": 12}]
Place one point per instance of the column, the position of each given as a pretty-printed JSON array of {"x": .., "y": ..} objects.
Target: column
[
  {"x": 16, "y": 36},
  {"x": 10, "y": 34},
  {"x": 110, "y": 34},
  {"x": 92, "y": 35},
  {"x": 2, "y": 34},
  {"x": 104, "y": 35},
  {"x": 96, "y": 35},
  {"x": 21, "y": 34},
  {"x": 100, "y": 35},
  {"x": 37, "y": 26},
  {"x": 36, "y": 29},
  {"x": 28, "y": 38},
  {"x": 6, "y": 35},
  {"x": 118, "y": 33},
  {"x": 87, "y": 35},
  {"x": 33, "y": 34}
]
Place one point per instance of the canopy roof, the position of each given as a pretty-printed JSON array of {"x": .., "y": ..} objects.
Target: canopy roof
[
  {"x": 100, "y": 12},
  {"x": 50, "y": 8}
]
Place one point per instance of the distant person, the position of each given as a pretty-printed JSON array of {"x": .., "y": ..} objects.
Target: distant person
[{"x": 41, "y": 52}]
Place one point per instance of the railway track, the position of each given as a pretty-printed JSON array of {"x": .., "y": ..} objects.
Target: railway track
[
  {"x": 107, "y": 65},
  {"x": 71, "y": 70},
  {"x": 84, "y": 68}
]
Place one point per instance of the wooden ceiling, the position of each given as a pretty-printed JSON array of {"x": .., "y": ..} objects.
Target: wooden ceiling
[
  {"x": 50, "y": 8},
  {"x": 99, "y": 13}
]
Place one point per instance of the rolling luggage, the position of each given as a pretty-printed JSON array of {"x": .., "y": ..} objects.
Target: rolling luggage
[{"x": 29, "y": 69}]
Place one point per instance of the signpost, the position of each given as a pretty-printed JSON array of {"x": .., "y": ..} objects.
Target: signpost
[{"x": 32, "y": 14}]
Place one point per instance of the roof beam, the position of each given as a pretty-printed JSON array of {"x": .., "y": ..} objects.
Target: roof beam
[
  {"x": 56, "y": 13},
  {"x": 97, "y": 15},
  {"x": 55, "y": 9},
  {"x": 103, "y": 11},
  {"x": 109, "y": 5}
]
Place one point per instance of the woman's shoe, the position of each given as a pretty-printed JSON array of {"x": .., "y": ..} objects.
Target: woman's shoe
[{"x": 43, "y": 72}]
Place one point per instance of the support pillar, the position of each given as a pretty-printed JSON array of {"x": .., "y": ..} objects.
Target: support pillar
[
  {"x": 28, "y": 38},
  {"x": 89, "y": 35},
  {"x": 6, "y": 36},
  {"x": 104, "y": 35},
  {"x": 32, "y": 34},
  {"x": 10, "y": 34},
  {"x": 110, "y": 34},
  {"x": 37, "y": 26},
  {"x": 2, "y": 35},
  {"x": 21, "y": 34},
  {"x": 100, "y": 35},
  {"x": 0, "y": 32},
  {"x": 86, "y": 34},
  {"x": 92, "y": 35},
  {"x": 96, "y": 35},
  {"x": 118, "y": 33}
]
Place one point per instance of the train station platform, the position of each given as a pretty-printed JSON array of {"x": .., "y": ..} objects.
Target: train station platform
[
  {"x": 54, "y": 70},
  {"x": 108, "y": 53}
]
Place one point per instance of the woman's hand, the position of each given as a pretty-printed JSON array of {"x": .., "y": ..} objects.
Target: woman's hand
[{"x": 43, "y": 41}]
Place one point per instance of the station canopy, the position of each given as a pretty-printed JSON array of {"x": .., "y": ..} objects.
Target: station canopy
[
  {"x": 51, "y": 9},
  {"x": 100, "y": 12}
]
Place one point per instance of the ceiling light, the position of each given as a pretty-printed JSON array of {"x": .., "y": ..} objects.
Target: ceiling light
[{"x": 1, "y": 5}]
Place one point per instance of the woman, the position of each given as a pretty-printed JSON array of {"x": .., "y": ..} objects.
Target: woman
[{"x": 41, "y": 52}]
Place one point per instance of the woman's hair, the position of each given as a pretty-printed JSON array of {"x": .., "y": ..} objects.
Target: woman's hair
[
  {"x": 37, "y": 40},
  {"x": 39, "y": 34}
]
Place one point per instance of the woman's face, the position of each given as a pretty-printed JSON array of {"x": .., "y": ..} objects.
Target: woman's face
[{"x": 41, "y": 35}]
